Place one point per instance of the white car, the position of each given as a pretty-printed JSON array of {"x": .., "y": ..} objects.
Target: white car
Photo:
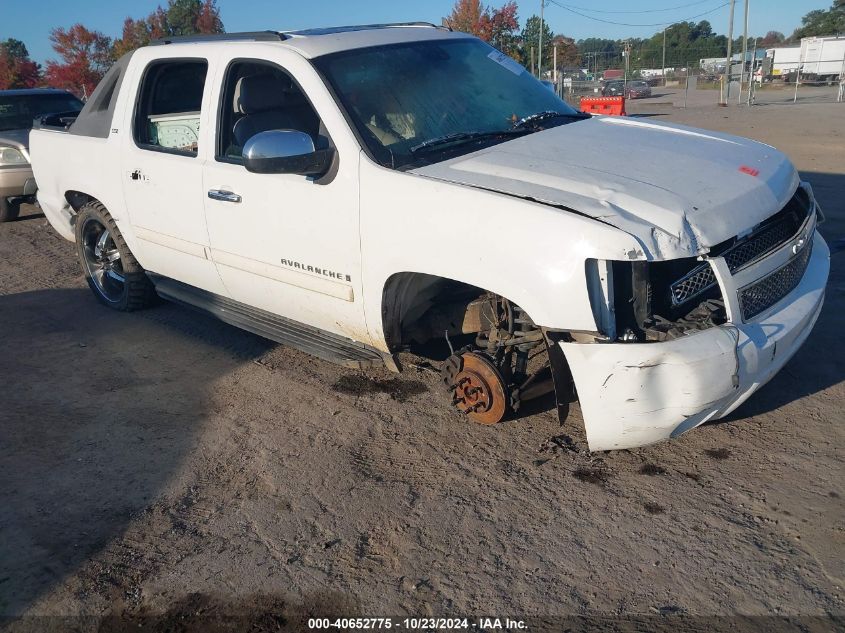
[{"x": 359, "y": 191}]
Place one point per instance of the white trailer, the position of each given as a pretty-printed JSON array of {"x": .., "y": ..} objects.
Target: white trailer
[
  {"x": 780, "y": 62},
  {"x": 822, "y": 58}
]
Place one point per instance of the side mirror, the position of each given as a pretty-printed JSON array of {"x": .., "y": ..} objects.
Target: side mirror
[{"x": 285, "y": 152}]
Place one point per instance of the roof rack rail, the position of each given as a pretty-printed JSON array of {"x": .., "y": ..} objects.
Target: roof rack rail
[
  {"x": 250, "y": 36},
  {"x": 332, "y": 30},
  {"x": 429, "y": 24}
]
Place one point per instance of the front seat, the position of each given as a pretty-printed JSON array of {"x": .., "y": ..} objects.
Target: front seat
[{"x": 270, "y": 101}]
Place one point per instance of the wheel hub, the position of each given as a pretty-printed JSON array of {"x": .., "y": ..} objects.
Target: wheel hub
[
  {"x": 102, "y": 259},
  {"x": 477, "y": 388}
]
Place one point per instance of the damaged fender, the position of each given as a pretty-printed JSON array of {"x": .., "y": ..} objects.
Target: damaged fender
[{"x": 633, "y": 395}]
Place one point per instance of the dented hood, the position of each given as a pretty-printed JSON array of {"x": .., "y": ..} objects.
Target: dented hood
[{"x": 678, "y": 190}]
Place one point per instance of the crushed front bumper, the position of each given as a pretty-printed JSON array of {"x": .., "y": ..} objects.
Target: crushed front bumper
[{"x": 633, "y": 394}]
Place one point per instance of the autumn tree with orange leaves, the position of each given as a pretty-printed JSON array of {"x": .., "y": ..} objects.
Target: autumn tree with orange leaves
[
  {"x": 86, "y": 55},
  {"x": 465, "y": 17},
  {"x": 498, "y": 26},
  {"x": 17, "y": 70}
]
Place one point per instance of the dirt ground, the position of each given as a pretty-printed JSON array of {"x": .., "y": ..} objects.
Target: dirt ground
[{"x": 163, "y": 464}]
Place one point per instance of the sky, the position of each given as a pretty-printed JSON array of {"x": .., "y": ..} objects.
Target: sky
[{"x": 32, "y": 21}]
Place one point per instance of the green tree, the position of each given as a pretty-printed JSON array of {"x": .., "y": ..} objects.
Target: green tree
[
  {"x": 182, "y": 17},
  {"x": 15, "y": 48},
  {"x": 821, "y": 22},
  {"x": 686, "y": 44},
  {"x": 598, "y": 53},
  {"x": 530, "y": 37}
]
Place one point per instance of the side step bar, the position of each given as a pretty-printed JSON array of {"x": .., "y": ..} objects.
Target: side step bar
[{"x": 331, "y": 347}]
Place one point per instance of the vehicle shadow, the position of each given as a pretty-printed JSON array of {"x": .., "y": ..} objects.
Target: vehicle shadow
[
  {"x": 29, "y": 213},
  {"x": 98, "y": 412},
  {"x": 819, "y": 364}
]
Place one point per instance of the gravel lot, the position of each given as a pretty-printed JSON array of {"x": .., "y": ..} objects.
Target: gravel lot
[{"x": 164, "y": 464}]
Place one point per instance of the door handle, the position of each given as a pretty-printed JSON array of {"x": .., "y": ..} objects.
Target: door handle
[{"x": 224, "y": 196}]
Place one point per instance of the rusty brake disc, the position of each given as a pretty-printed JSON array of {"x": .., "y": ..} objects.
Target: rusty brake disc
[{"x": 478, "y": 389}]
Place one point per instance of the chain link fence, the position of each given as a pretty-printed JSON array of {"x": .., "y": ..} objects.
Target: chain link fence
[
  {"x": 696, "y": 86},
  {"x": 792, "y": 87},
  {"x": 676, "y": 88}
]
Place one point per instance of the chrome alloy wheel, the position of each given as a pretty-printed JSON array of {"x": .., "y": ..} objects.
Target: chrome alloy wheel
[{"x": 102, "y": 260}]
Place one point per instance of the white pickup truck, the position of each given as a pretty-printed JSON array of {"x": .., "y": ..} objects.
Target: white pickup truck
[{"x": 359, "y": 191}]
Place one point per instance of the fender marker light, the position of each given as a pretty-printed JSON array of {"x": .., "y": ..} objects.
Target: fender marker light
[{"x": 745, "y": 169}]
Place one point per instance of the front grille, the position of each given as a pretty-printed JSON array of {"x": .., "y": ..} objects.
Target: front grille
[
  {"x": 766, "y": 292},
  {"x": 693, "y": 284},
  {"x": 758, "y": 244},
  {"x": 768, "y": 237}
]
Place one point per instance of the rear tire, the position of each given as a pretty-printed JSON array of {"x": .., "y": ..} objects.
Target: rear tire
[
  {"x": 111, "y": 270},
  {"x": 9, "y": 210}
]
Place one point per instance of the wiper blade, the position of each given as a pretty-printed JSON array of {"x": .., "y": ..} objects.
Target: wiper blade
[
  {"x": 548, "y": 114},
  {"x": 464, "y": 137}
]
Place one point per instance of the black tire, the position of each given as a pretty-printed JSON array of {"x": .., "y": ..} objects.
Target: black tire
[
  {"x": 9, "y": 210},
  {"x": 111, "y": 270}
]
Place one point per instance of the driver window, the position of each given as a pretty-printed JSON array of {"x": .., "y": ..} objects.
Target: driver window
[{"x": 258, "y": 97}]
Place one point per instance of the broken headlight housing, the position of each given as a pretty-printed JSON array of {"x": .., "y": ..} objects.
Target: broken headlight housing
[
  {"x": 636, "y": 301},
  {"x": 661, "y": 300}
]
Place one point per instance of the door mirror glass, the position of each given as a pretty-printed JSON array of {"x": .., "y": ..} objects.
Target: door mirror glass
[{"x": 285, "y": 152}]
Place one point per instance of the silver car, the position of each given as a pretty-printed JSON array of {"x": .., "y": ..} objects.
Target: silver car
[{"x": 18, "y": 108}]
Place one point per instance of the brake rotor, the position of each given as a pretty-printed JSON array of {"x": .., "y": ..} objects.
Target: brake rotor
[{"x": 478, "y": 389}]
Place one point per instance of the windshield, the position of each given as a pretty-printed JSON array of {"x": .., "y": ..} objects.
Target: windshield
[
  {"x": 421, "y": 102},
  {"x": 18, "y": 111},
  {"x": 638, "y": 84}
]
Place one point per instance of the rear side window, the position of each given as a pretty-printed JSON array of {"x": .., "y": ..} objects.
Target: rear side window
[{"x": 167, "y": 115}]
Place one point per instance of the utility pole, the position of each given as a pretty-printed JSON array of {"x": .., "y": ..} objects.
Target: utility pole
[
  {"x": 663, "y": 70},
  {"x": 554, "y": 71},
  {"x": 752, "y": 86},
  {"x": 744, "y": 52},
  {"x": 627, "y": 54},
  {"x": 727, "y": 93},
  {"x": 540, "y": 49}
]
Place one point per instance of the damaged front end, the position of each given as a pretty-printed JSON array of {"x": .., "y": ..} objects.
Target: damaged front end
[{"x": 684, "y": 341}]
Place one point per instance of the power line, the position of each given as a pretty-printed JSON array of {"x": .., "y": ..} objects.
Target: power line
[
  {"x": 680, "y": 6},
  {"x": 590, "y": 17}
]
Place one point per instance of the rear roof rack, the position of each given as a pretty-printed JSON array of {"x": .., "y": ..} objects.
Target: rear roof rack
[
  {"x": 246, "y": 36},
  {"x": 279, "y": 36},
  {"x": 365, "y": 27}
]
